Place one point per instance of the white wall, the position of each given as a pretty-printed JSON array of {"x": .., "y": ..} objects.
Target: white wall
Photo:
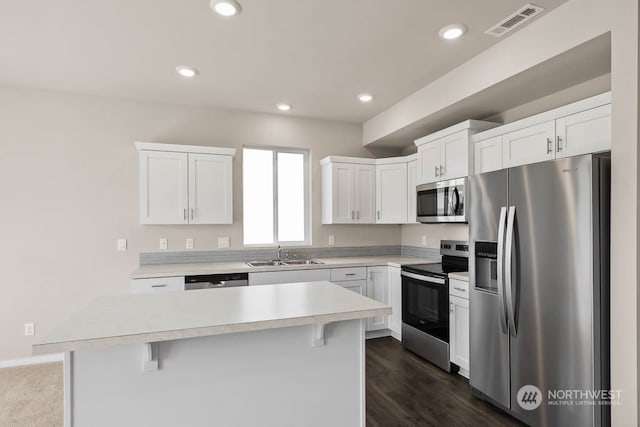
[{"x": 69, "y": 185}]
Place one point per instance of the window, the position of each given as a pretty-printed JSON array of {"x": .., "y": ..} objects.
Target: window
[{"x": 275, "y": 196}]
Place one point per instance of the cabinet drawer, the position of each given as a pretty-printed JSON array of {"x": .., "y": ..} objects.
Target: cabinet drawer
[
  {"x": 459, "y": 288},
  {"x": 157, "y": 284},
  {"x": 342, "y": 274}
]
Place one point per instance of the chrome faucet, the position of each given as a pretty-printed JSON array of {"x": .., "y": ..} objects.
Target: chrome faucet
[{"x": 279, "y": 253}]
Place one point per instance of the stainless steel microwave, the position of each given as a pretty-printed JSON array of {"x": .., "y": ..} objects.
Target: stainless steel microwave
[{"x": 442, "y": 201}]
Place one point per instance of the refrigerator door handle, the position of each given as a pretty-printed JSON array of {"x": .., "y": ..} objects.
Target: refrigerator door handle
[
  {"x": 508, "y": 270},
  {"x": 502, "y": 315}
]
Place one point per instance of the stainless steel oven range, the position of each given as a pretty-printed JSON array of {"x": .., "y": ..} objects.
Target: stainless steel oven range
[{"x": 425, "y": 303}]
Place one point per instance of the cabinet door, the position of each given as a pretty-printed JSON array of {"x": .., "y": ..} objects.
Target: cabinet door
[
  {"x": 163, "y": 187},
  {"x": 377, "y": 289},
  {"x": 356, "y": 286},
  {"x": 459, "y": 333},
  {"x": 210, "y": 189},
  {"x": 412, "y": 180},
  {"x": 391, "y": 194},
  {"x": 488, "y": 155},
  {"x": 429, "y": 162},
  {"x": 585, "y": 132},
  {"x": 395, "y": 301},
  {"x": 342, "y": 197},
  {"x": 529, "y": 145},
  {"x": 454, "y": 155},
  {"x": 365, "y": 193}
]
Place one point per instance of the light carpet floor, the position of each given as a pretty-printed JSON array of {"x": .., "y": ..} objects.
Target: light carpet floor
[{"x": 31, "y": 396}]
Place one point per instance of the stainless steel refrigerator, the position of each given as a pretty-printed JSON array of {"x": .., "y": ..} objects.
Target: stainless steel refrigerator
[{"x": 539, "y": 302}]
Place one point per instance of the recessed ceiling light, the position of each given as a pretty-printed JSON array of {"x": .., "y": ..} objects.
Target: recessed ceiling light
[
  {"x": 225, "y": 7},
  {"x": 283, "y": 107},
  {"x": 451, "y": 32},
  {"x": 365, "y": 97},
  {"x": 186, "y": 71}
]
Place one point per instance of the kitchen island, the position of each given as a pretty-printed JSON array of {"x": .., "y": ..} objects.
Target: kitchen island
[{"x": 273, "y": 355}]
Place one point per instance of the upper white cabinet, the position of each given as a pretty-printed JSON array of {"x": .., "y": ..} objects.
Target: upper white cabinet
[
  {"x": 447, "y": 154},
  {"x": 391, "y": 200},
  {"x": 183, "y": 184},
  {"x": 348, "y": 192},
  {"x": 412, "y": 180},
  {"x": 579, "y": 128}
]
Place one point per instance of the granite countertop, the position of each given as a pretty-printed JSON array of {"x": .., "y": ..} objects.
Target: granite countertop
[
  {"x": 145, "y": 318},
  {"x": 464, "y": 276},
  {"x": 170, "y": 270}
]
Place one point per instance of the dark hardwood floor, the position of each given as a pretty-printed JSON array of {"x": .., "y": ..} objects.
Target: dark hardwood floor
[{"x": 405, "y": 390}]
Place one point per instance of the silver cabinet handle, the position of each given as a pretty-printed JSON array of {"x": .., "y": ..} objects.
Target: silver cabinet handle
[
  {"x": 159, "y": 286},
  {"x": 442, "y": 171},
  {"x": 507, "y": 271},
  {"x": 192, "y": 211},
  {"x": 436, "y": 172},
  {"x": 549, "y": 149},
  {"x": 353, "y": 214},
  {"x": 184, "y": 214},
  {"x": 349, "y": 274},
  {"x": 502, "y": 308},
  {"x": 558, "y": 144},
  {"x": 459, "y": 289},
  {"x": 378, "y": 214},
  {"x": 357, "y": 214},
  {"x": 451, "y": 307}
]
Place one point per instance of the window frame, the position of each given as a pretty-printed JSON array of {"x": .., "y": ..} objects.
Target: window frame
[{"x": 307, "y": 196}]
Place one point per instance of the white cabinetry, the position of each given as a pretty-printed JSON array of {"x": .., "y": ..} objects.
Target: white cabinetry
[
  {"x": 377, "y": 289},
  {"x": 447, "y": 154},
  {"x": 157, "y": 284},
  {"x": 391, "y": 200},
  {"x": 348, "y": 192},
  {"x": 182, "y": 184},
  {"x": 579, "y": 128},
  {"x": 412, "y": 180},
  {"x": 395, "y": 301},
  {"x": 459, "y": 325}
]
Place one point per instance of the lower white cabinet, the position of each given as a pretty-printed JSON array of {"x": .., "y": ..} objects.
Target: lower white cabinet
[
  {"x": 157, "y": 284},
  {"x": 395, "y": 301},
  {"x": 357, "y": 286},
  {"x": 378, "y": 289},
  {"x": 459, "y": 327}
]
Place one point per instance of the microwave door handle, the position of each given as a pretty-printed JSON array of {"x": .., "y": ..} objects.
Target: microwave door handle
[
  {"x": 508, "y": 268},
  {"x": 502, "y": 313},
  {"x": 457, "y": 205}
]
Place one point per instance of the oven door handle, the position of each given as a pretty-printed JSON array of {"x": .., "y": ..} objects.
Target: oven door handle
[{"x": 429, "y": 279}]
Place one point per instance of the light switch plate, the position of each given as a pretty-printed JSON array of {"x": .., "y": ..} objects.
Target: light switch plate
[
  {"x": 122, "y": 245},
  {"x": 189, "y": 243},
  {"x": 164, "y": 243},
  {"x": 332, "y": 239},
  {"x": 424, "y": 240},
  {"x": 29, "y": 329},
  {"x": 223, "y": 242}
]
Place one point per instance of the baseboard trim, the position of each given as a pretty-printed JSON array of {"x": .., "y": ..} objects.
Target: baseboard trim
[
  {"x": 377, "y": 334},
  {"x": 34, "y": 360}
]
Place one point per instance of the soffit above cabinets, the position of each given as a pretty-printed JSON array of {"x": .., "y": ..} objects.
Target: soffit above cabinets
[{"x": 315, "y": 55}]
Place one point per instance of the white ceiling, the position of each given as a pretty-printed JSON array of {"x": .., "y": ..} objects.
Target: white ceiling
[{"x": 315, "y": 54}]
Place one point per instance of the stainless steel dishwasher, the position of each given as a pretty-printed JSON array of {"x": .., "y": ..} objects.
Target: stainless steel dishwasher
[{"x": 213, "y": 281}]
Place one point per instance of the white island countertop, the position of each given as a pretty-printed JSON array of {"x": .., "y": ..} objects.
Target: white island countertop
[{"x": 146, "y": 318}]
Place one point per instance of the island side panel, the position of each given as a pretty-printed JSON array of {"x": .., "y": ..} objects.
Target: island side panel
[{"x": 274, "y": 377}]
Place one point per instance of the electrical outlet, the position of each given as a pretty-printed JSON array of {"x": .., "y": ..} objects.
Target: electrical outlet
[
  {"x": 164, "y": 243},
  {"x": 332, "y": 239},
  {"x": 122, "y": 245},
  {"x": 223, "y": 242},
  {"x": 424, "y": 240},
  {"x": 29, "y": 329},
  {"x": 189, "y": 243}
]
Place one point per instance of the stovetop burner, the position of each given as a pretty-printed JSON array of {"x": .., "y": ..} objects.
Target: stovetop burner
[{"x": 455, "y": 259}]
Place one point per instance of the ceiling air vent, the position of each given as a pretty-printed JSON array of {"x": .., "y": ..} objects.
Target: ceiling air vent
[{"x": 514, "y": 20}]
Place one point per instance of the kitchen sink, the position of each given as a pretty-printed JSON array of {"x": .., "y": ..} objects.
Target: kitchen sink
[{"x": 275, "y": 263}]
